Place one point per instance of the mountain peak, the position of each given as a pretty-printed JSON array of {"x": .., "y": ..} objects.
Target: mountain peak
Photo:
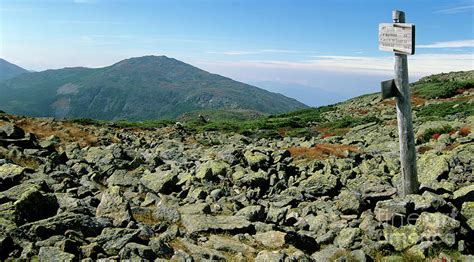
[
  {"x": 139, "y": 88},
  {"x": 9, "y": 70}
]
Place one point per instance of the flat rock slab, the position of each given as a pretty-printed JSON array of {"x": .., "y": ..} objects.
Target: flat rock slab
[{"x": 204, "y": 223}]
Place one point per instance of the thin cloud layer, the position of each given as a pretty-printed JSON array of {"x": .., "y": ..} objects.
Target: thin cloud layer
[
  {"x": 449, "y": 44},
  {"x": 422, "y": 64}
]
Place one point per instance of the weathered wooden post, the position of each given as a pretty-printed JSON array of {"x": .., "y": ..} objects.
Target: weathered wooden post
[{"x": 399, "y": 38}]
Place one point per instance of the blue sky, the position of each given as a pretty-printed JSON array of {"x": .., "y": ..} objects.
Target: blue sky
[{"x": 325, "y": 45}]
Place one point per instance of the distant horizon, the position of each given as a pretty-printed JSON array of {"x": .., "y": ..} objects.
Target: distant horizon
[
  {"x": 272, "y": 86},
  {"x": 328, "y": 45}
]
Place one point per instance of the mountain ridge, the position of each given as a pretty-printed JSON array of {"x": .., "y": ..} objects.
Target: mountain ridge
[
  {"x": 9, "y": 70},
  {"x": 140, "y": 88}
]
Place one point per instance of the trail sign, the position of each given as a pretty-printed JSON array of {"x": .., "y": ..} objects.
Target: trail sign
[
  {"x": 400, "y": 38},
  {"x": 397, "y": 37}
]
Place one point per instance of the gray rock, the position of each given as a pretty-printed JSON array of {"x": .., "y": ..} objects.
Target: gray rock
[
  {"x": 250, "y": 178},
  {"x": 252, "y": 213},
  {"x": 394, "y": 211},
  {"x": 136, "y": 251},
  {"x": 436, "y": 225},
  {"x": 349, "y": 202},
  {"x": 160, "y": 182},
  {"x": 9, "y": 131},
  {"x": 230, "y": 245},
  {"x": 34, "y": 205},
  {"x": 257, "y": 159},
  {"x": 202, "y": 253},
  {"x": 212, "y": 169},
  {"x": 205, "y": 223},
  {"x": 464, "y": 194},
  {"x": 113, "y": 240},
  {"x": 401, "y": 238},
  {"x": 59, "y": 224},
  {"x": 10, "y": 175},
  {"x": 328, "y": 253},
  {"x": 276, "y": 214},
  {"x": 166, "y": 211},
  {"x": 320, "y": 184},
  {"x": 274, "y": 256},
  {"x": 272, "y": 239},
  {"x": 347, "y": 237},
  {"x": 54, "y": 254},
  {"x": 115, "y": 206}
]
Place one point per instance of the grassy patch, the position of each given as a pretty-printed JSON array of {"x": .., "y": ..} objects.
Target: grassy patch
[
  {"x": 444, "y": 85},
  {"x": 434, "y": 133},
  {"x": 443, "y": 109}
]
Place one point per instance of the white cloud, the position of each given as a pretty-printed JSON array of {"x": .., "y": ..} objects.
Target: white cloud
[
  {"x": 422, "y": 64},
  {"x": 456, "y": 9},
  {"x": 254, "y": 52},
  {"x": 449, "y": 44}
]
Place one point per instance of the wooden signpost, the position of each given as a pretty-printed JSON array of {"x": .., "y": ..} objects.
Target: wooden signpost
[{"x": 400, "y": 39}]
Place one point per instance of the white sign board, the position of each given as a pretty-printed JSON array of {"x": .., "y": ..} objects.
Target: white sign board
[{"x": 397, "y": 37}]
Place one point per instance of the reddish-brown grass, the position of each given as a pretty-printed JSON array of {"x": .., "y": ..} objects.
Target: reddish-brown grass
[
  {"x": 465, "y": 130},
  {"x": 67, "y": 132},
  {"x": 321, "y": 151}
]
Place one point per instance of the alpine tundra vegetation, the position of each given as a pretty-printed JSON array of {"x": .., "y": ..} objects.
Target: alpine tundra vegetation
[{"x": 318, "y": 184}]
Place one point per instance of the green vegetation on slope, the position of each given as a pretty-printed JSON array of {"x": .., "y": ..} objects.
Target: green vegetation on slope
[
  {"x": 444, "y": 85},
  {"x": 135, "y": 89}
]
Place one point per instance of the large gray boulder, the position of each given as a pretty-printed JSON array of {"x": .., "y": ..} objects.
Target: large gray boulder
[
  {"x": 115, "y": 206},
  {"x": 206, "y": 223}
]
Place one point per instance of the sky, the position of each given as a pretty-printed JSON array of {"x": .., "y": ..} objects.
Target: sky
[{"x": 300, "y": 47}]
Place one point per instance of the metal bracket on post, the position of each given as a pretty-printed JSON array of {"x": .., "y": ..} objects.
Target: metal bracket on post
[{"x": 389, "y": 89}]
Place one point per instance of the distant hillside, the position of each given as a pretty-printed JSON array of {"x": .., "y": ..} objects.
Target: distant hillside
[
  {"x": 142, "y": 88},
  {"x": 310, "y": 95},
  {"x": 9, "y": 70}
]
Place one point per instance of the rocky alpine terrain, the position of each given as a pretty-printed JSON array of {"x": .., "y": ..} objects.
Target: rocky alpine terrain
[{"x": 71, "y": 191}]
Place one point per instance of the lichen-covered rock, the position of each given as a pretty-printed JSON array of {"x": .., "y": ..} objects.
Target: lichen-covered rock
[
  {"x": 34, "y": 205},
  {"x": 464, "y": 194},
  {"x": 257, "y": 160},
  {"x": 160, "y": 182},
  {"x": 264, "y": 256},
  {"x": 431, "y": 167},
  {"x": 271, "y": 239},
  {"x": 224, "y": 244},
  {"x": 115, "y": 206},
  {"x": 393, "y": 210},
  {"x": 250, "y": 178},
  {"x": 401, "y": 238},
  {"x": 437, "y": 225},
  {"x": 212, "y": 169},
  {"x": 206, "y": 223},
  {"x": 320, "y": 184},
  {"x": 467, "y": 210},
  {"x": 10, "y": 175},
  {"x": 346, "y": 238},
  {"x": 54, "y": 254},
  {"x": 349, "y": 202},
  {"x": 252, "y": 213}
]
